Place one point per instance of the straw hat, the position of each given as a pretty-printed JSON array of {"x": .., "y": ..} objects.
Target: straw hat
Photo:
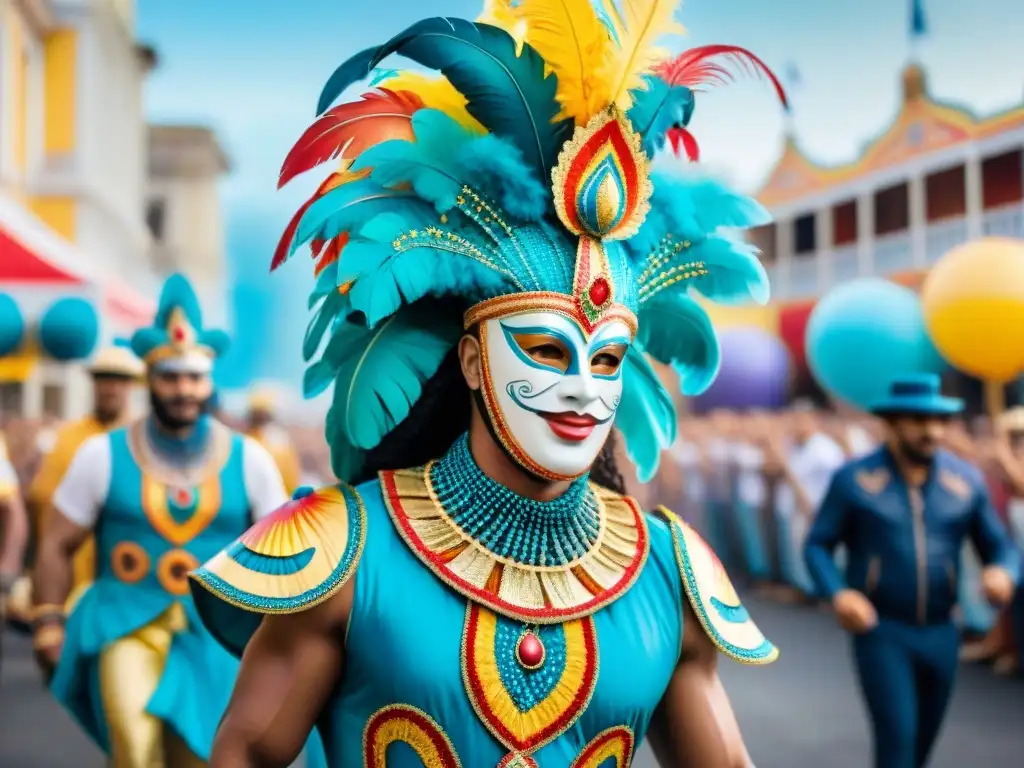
[{"x": 117, "y": 361}]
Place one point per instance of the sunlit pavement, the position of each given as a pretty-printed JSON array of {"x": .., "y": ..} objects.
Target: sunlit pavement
[{"x": 801, "y": 712}]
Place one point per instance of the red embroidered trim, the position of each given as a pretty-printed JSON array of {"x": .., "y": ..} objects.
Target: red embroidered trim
[
  {"x": 619, "y": 733},
  {"x": 444, "y": 753},
  {"x": 437, "y": 563}
]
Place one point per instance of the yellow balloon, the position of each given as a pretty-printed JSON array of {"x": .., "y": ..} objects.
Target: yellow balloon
[{"x": 973, "y": 302}]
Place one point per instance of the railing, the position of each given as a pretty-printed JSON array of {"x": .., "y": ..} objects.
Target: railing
[
  {"x": 943, "y": 236},
  {"x": 893, "y": 253},
  {"x": 1005, "y": 221}
]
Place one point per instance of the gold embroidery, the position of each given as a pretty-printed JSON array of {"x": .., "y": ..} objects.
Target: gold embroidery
[
  {"x": 412, "y": 726},
  {"x": 542, "y": 594}
]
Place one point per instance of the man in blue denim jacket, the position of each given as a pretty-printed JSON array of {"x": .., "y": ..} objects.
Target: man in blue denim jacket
[{"x": 903, "y": 513}]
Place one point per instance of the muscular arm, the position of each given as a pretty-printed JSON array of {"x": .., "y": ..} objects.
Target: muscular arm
[
  {"x": 694, "y": 727},
  {"x": 52, "y": 572},
  {"x": 290, "y": 667},
  {"x": 13, "y": 534}
]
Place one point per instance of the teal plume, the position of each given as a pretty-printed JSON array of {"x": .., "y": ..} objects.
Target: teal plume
[
  {"x": 380, "y": 373},
  {"x": 646, "y": 416},
  {"x": 351, "y": 71},
  {"x": 691, "y": 348},
  {"x": 512, "y": 96},
  {"x": 657, "y": 110},
  {"x": 327, "y": 315}
]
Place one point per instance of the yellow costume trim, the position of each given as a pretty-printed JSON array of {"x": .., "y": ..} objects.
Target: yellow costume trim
[
  {"x": 518, "y": 730},
  {"x": 217, "y": 454},
  {"x": 129, "y": 562},
  {"x": 173, "y": 569},
  {"x": 714, "y": 599},
  {"x": 402, "y": 723},
  {"x": 538, "y": 594},
  {"x": 615, "y": 743},
  {"x": 293, "y": 559},
  {"x": 155, "y": 505}
]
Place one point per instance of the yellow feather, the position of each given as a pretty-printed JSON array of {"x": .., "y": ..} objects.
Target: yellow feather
[
  {"x": 436, "y": 93},
  {"x": 501, "y": 14},
  {"x": 643, "y": 23},
  {"x": 575, "y": 46}
]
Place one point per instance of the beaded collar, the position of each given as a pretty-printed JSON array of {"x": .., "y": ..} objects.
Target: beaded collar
[
  {"x": 535, "y": 562},
  {"x": 180, "y": 463},
  {"x": 514, "y": 527}
]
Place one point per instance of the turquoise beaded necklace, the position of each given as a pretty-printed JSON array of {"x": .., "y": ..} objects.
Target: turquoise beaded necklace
[{"x": 539, "y": 533}]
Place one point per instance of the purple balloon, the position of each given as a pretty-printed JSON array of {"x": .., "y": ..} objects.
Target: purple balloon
[{"x": 755, "y": 372}]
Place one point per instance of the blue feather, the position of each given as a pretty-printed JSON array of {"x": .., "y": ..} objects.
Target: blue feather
[
  {"x": 674, "y": 329},
  {"x": 646, "y": 416},
  {"x": 512, "y": 96},
  {"x": 657, "y": 109},
  {"x": 428, "y": 163},
  {"x": 379, "y": 375},
  {"x": 333, "y": 306},
  {"x": 351, "y": 71},
  {"x": 385, "y": 279},
  {"x": 326, "y": 283},
  {"x": 735, "y": 275},
  {"x": 495, "y": 168},
  {"x": 344, "y": 207}
]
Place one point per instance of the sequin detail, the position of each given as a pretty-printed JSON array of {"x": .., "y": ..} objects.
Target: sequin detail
[
  {"x": 529, "y": 687},
  {"x": 532, "y": 532}
]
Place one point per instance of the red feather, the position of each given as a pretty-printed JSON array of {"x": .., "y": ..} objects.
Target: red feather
[
  {"x": 331, "y": 253},
  {"x": 352, "y": 128},
  {"x": 694, "y": 68},
  {"x": 284, "y": 245},
  {"x": 680, "y": 138}
]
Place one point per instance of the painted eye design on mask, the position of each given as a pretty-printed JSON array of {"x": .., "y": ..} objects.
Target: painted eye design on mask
[
  {"x": 607, "y": 360},
  {"x": 542, "y": 350}
]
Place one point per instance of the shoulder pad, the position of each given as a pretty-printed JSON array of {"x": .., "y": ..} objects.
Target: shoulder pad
[
  {"x": 295, "y": 558},
  {"x": 713, "y": 598}
]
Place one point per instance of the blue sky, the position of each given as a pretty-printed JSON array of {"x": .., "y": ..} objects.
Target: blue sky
[{"x": 252, "y": 69}]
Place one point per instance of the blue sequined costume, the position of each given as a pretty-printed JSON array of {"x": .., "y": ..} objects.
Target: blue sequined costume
[{"x": 488, "y": 629}]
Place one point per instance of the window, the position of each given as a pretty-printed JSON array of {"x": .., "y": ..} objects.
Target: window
[
  {"x": 155, "y": 216},
  {"x": 10, "y": 398},
  {"x": 53, "y": 400},
  {"x": 804, "y": 236}
]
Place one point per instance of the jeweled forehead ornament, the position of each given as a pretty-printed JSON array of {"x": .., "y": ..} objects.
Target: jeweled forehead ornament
[{"x": 602, "y": 189}]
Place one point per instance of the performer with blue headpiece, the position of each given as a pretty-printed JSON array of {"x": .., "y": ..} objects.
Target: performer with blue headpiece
[
  {"x": 133, "y": 663},
  {"x": 497, "y": 260}
]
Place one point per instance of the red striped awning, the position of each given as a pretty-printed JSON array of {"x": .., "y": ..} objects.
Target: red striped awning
[{"x": 19, "y": 264}]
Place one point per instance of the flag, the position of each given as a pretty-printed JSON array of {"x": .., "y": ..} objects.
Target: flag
[{"x": 918, "y": 22}]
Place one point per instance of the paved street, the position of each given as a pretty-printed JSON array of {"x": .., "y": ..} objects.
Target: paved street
[{"x": 801, "y": 712}]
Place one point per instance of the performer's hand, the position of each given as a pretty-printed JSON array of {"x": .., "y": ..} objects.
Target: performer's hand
[
  {"x": 997, "y": 585},
  {"x": 48, "y": 641},
  {"x": 854, "y": 611}
]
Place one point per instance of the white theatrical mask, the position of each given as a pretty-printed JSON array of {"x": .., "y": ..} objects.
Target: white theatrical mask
[{"x": 555, "y": 390}]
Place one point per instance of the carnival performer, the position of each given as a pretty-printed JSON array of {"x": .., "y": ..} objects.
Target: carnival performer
[
  {"x": 134, "y": 665},
  {"x": 903, "y": 513},
  {"x": 508, "y": 260},
  {"x": 260, "y": 427}
]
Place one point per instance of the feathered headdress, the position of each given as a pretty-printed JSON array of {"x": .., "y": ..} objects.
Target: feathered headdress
[{"x": 518, "y": 178}]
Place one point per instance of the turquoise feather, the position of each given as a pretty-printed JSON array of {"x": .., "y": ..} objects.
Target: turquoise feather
[
  {"x": 326, "y": 283},
  {"x": 735, "y": 275},
  {"x": 512, "y": 96},
  {"x": 327, "y": 314},
  {"x": 344, "y": 207},
  {"x": 385, "y": 278},
  {"x": 657, "y": 109},
  {"x": 380, "y": 372},
  {"x": 350, "y": 72},
  {"x": 646, "y": 416},
  {"x": 676, "y": 330}
]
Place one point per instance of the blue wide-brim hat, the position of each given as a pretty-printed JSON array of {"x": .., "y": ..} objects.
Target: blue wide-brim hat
[{"x": 919, "y": 394}]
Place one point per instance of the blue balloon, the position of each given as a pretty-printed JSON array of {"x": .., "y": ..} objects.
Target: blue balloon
[
  {"x": 863, "y": 334},
  {"x": 12, "y": 325},
  {"x": 69, "y": 329}
]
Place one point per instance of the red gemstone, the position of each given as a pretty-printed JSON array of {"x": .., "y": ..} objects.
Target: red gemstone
[
  {"x": 179, "y": 334},
  {"x": 599, "y": 292},
  {"x": 530, "y": 651}
]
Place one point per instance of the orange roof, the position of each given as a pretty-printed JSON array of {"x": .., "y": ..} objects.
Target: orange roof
[{"x": 923, "y": 125}]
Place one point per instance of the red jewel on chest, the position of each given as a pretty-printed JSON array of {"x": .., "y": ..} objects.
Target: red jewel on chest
[
  {"x": 599, "y": 292},
  {"x": 530, "y": 651},
  {"x": 182, "y": 497}
]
